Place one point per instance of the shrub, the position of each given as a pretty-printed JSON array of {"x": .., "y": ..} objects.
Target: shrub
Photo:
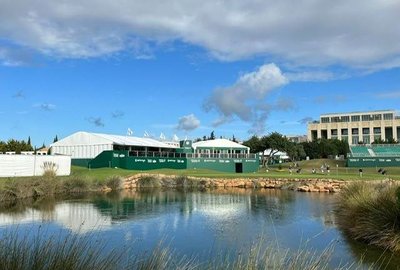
[
  {"x": 149, "y": 182},
  {"x": 76, "y": 184},
  {"x": 114, "y": 182},
  {"x": 371, "y": 214}
]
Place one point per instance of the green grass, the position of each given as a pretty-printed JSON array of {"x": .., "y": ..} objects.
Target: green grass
[{"x": 340, "y": 172}]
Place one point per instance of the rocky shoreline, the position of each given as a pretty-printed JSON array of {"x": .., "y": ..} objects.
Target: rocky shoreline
[{"x": 302, "y": 185}]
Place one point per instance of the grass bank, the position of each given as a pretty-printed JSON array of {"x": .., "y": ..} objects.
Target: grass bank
[
  {"x": 48, "y": 185},
  {"x": 371, "y": 213}
]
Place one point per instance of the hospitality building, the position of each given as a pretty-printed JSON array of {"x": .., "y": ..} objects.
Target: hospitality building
[{"x": 357, "y": 127}]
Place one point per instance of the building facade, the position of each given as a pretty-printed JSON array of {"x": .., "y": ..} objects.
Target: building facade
[{"x": 357, "y": 127}]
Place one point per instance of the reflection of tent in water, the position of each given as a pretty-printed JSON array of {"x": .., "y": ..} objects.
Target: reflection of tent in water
[
  {"x": 221, "y": 206},
  {"x": 77, "y": 217}
]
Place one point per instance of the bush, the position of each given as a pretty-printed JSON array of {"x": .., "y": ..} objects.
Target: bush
[
  {"x": 114, "y": 182},
  {"x": 76, "y": 184},
  {"x": 149, "y": 182},
  {"x": 371, "y": 214}
]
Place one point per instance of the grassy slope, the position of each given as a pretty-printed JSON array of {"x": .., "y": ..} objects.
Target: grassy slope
[{"x": 340, "y": 172}]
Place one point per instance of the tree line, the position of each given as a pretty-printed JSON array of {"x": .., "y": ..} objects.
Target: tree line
[
  {"x": 276, "y": 142},
  {"x": 15, "y": 146}
]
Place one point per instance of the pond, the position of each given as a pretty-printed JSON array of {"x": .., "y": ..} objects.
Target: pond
[{"x": 198, "y": 224}]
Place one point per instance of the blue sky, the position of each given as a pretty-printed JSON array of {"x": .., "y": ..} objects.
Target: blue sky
[{"x": 178, "y": 67}]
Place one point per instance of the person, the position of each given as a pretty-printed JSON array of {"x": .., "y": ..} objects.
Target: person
[
  {"x": 360, "y": 171},
  {"x": 290, "y": 169},
  {"x": 322, "y": 168},
  {"x": 313, "y": 171},
  {"x": 328, "y": 169}
]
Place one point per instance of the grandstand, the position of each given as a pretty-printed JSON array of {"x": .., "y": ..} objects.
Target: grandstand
[{"x": 374, "y": 155}]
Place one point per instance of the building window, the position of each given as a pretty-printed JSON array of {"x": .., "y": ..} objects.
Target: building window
[
  {"x": 366, "y": 117},
  {"x": 345, "y": 119},
  {"x": 345, "y": 132},
  {"x": 365, "y": 131},
  {"x": 334, "y": 132},
  {"x": 354, "y": 140},
  {"x": 366, "y": 140},
  {"x": 354, "y": 131},
  {"x": 324, "y": 119},
  {"x": 377, "y": 130},
  {"x": 377, "y": 117},
  {"x": 335, "y": 119},
  {"x": 388, "y": 116},
  {"x": 355, "y": 118}
]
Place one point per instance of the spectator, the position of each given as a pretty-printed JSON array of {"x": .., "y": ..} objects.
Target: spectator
[{"x": 360, "y": 171}]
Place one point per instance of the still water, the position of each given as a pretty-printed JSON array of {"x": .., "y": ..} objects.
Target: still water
[{"x": 196, "y": 223}]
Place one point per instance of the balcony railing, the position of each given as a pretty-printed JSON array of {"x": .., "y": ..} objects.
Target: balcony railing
[{"x": 189, "y": 155}]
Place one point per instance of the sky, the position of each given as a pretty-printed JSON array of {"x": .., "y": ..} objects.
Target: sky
[{"x": 237, "y": 68}]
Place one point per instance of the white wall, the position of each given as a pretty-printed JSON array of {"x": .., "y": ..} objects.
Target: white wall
[
  {"x": 80, "y": 151},
  {"x": 30, "y": 165}
]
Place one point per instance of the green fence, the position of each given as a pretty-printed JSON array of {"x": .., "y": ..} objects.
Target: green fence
[
  {"x": 121, "y": 159},
  {"x": 373, "y": 162}
]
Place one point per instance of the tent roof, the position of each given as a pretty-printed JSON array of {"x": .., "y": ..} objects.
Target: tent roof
[
  {"x": 87, "y": 138},
  {"x": 219, "y": 143}
]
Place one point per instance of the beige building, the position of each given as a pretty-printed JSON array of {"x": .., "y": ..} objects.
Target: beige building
[{"x": 356, "y": 127}]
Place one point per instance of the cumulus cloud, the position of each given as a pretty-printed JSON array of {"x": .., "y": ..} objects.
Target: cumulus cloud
[
  {"x": 14, "y": 57},
  {"x": 319, "y": 33},
  {"x": 245, "y": 99},
  {"x": 97, "y": 121},
  {"x": 188, "y": 122}
]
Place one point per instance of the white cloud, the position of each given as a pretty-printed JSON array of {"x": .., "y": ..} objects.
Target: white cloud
[
  {"x": 355, "y": 34},
  {"x": 188, "y": 122},
  {"x": 245, "y": 99},
  {"x": 389, "y": 95}
]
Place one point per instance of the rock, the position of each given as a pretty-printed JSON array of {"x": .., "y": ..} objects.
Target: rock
[{"x": 303, "y": 189}]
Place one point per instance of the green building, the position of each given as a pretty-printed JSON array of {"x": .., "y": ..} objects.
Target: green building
[{"x": 96, "y": 150}]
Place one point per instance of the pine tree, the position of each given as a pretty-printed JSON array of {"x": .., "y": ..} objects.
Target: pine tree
[
  {"x": 55, "y": 139},
  {"x": 212, "y": 135},
  {"x": 29, "y": 141},
  {"x": 233, "y": 138}
]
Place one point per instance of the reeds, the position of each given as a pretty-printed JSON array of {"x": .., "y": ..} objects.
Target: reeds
[
  {"x": 371, "y": 213},
  {"x": 75, "y": 251}
]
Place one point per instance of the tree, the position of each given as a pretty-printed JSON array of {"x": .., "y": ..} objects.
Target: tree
[
  {"x": 233, "y": 138},
  {"x": 295, "y": 151},
  {"x": 212, "y": 136},
  {"x": 254, "y": 143},
  {"x": 275, "y": 142},
  {"x": 55, "y": 139},
  {"x": 29, "y": 141}
]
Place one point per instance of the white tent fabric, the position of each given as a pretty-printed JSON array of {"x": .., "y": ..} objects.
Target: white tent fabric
[
  {"x": 32, "y": 165},
  {"x": 219, "y": 143},
  {"x": 88, "y": 145}
]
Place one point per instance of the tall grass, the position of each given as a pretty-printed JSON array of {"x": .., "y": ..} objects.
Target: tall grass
[
  {"x": 86, "y": 252},
  {"x": 371, "y": 213},
  {"x": 72, "y": 252}
]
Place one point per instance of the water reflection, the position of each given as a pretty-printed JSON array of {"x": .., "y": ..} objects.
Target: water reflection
[{"x": 197, "y": 222}]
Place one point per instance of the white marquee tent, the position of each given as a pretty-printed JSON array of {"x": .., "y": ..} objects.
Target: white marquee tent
[{"x": 88, "y": 145}]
